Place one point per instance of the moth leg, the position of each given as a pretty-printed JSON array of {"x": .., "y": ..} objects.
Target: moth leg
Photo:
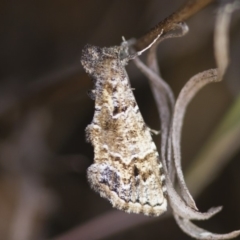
[{"x": 153, "y": 131}]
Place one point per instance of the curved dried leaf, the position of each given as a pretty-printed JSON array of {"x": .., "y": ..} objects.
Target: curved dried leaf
[
  {"x": 190, "y": 89},
  {"x": 178, "y": 205},
  {"x": 187, "y": 93},
  {"x": 180, "y": 208},
  {"x": 196, "y": 232}
]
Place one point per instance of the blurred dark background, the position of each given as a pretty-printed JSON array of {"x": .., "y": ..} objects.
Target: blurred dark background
[{"x": 44, "y": 110}]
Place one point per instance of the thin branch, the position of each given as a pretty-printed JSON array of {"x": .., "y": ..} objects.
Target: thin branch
[{"x": 184, "y": 13}]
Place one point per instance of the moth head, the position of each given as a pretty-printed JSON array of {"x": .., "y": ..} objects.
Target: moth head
[{"x": 90, "y": 57}]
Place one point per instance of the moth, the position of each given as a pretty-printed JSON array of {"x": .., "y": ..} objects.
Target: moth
[{"x": 127, "y": 170}]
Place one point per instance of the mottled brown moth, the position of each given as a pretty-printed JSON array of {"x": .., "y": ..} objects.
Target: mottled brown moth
[{"x": 127, "y": 170}]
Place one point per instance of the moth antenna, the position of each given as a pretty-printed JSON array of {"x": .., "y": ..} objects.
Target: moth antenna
[
  {"x": 132, "y": 56},
  {"x": 150, "y": 45}
]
